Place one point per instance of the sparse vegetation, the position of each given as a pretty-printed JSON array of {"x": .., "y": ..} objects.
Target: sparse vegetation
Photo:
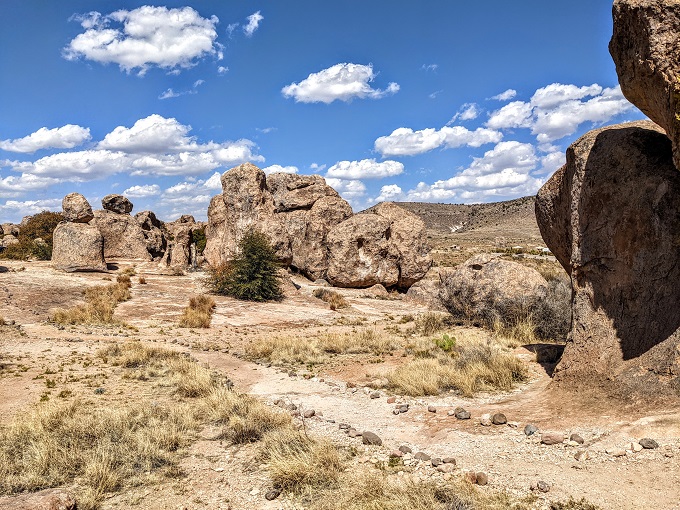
[
  {"x": 198, "y": 237},
  {"x": 199, "y": 312},
  {"x": 100, "y": 304},
  {"x": 430, "y": 323},
  {"x": 38, "y": 227},
  {"x": 573, "y": 504},
  {"x": 252, "y": 275},
  {"x": 334, "y": 299}
]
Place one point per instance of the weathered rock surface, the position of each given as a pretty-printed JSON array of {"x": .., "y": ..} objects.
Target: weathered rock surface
[
  {"x": 117, "y": 204},
  {"x": 10, "y": 229},
  {"x": 611, "y": 216},
  {"x": 49, "y": 499},
  {"x": 178, "y": 251},
  {"x": 645, "y": 47},
  {"x": 76, "y": 208},
  {"x": 8, "y": 240},
  {"x": 152, "y": 229},
  {"x": 123, "y": 236},
  {"x": 428, "y": 291},
  {"x": 78, "y": 247}
]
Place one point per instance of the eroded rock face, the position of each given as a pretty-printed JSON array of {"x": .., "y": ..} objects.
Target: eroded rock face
[
  {"x": 78, "y": 247},
  {"x": 76, "y": 208},
  {"x": 645, "y": 47},
  {"x": 152, "y": 229},
  {"x": 117, "y": 204},
  {"x": 612, "y": 218},
  {"x": 123, "y": 236}
]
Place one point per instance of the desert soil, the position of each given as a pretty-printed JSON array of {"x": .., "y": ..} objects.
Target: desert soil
[{"x": 222, "y": 476}]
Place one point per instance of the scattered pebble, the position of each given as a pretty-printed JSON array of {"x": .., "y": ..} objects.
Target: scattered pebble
[
  {"x": 551, "y": 438},
  {"x": 309, "y": 413},
  {"x": 391, "y": 400},
  {"x": 582, "y": 455},
  {"x": 371, "y": 438},
  {"x": 540, "y": 486},
  {"x": 499, "y": 419},
  {"x": 436, "y": 462},
  {"x": 616, "y": 452},
  {"x": 272, "y": 494},
  {"x": 431, "y": 409},
  {"x": 405, "y": 449},
  {"x": 530, "y": 429},
  {"x": 576, "y": 439},
  {"x": 375, "y": 394},
  {"x": 481, "y": 478},
  {"x": 648, "y": 444},
  {"x": 485, "y": 420},
  {"x": 461, "y": 414},
  {"x": 422, "y": 456},
  {"x": 449, "y": 460}
]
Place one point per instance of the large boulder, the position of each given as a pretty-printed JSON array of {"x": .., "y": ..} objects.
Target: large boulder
[
  {"x": 10, "y": 229},
  {"x": 645, "y": 47},
  {"x": 8, "y": 240},
  {"x": 292, "y": 191},
  {"x": 76, "y": 208},
  {"x": 117, "y": 204},
  {"x": 152, "y": 229},
  {"x": 612, "y": 218},
  {"x": 78, "y": 247},
  {"x": 123, "y": 236},
  {"x": 361, "y": 254}
]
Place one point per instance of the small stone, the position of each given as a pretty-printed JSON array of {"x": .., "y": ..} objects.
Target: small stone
[
  {"x": 436, "y": 462},
  {"x": 396, "y": 453},
  {"x": 449, "y": 460},
  {"x": 375, "y": 394},
  {"x": 485, "y": 420},
  {"x": 254, "y": 492},
  {"x": 582, "y": 455},
  {"x": 513, "y": 424},
  {"x": 446, "y": 468},
  {"x": 344, "y": 426},
  {"x": 391, "y": 400},
  {"x": 431, "y": 409},
  {"x": 551, "y": 438},
  {"x": 309, "y": 413},
  {"x": 636, "y": 447},
  {"x": 530, "y": 429},
  {"x": 353, "y": 433},
  {"x": 403, "y": 408},
  {"x": 396, "y": 411},
  {"x": 422, "y": 456},
  {"x": 616, "y": 452},
  {"x": 572, "y": 443},
  {"x": 648, "y": 444},
  {"x": 499, "y": 419},
  {"x": 371, "y": 438},
  {"x": 272, "y": 494},
  {"x": 481, "y": 478},
  {"x": 405, "y": 449},
  {"x": 461, "y": 414},
  {"x": 540, "y": 486},
  {"x": 576, "y": 438}
]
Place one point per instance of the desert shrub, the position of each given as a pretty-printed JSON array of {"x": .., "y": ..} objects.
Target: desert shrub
[
  {"x": 430, "y": 323},
  {"x": 39, "y": 226},
  {"x": 198, "y": 237},
  {"x": 199, "y": 312},
  {"x": 252, "y": 275},
  {"x": 334, "y": 299},
  {"x": 573, "y": 504},
  {"x": 445, "y": 343},
  {"x": 100, "y": 303}
]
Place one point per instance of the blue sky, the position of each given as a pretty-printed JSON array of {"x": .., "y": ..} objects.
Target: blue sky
[{"x": 442, "y": 101}]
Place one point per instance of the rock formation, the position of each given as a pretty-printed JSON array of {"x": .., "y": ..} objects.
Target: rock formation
[
  {"x": 313, "y": 231},
  {"x": 645, "y": 47},
  {"x": 123, "y": 235},
  {"x": 178, "y": 251},
  {"x": 611, "y": 216},
  {"x": 76, "y": 244},
  {"x": 48, "y": 499},
  {"x": 152, "y": 229}
]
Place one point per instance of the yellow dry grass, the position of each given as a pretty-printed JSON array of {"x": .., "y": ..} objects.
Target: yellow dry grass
[
  {"x": 100, "y": 303},
  {"x": 199, "y": 312},
  {"x": 334, "y": 299}
]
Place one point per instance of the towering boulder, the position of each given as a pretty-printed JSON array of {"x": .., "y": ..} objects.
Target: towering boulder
[
  {"x": 645, "y": 47},
  {"x": 152, "y": 229},
  {"x": 76, "y": 208},
  {"x": 123, "y": 235},
  {"x": 612, "y": 218}
]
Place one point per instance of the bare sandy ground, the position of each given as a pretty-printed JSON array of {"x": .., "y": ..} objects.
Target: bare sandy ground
[{"x": 223, "y": 476}]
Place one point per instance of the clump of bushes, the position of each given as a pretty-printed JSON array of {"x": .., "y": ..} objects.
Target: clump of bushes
[
  {"x": 199, "y": 312},
  {"x": 38, "y": 227},
  {"x": 334, "y": 299},
  {"x": 253, "y": 275}
]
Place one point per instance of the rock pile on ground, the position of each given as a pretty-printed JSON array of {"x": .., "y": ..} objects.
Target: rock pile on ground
[
  {"x": 611, "y": 216},
  {"x": 77, "y": 245},
  {"x": 314, "y": 231}
]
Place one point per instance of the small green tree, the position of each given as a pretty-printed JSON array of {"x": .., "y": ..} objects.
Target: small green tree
[
  {"x": 253, "y": 275},
  {"x": 41, "y": 226}
]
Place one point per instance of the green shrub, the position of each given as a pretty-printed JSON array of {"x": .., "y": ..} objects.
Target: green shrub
[
  {"x": 252, "y": 275},
  {"x": 445, "y": 343},
  {"x": 41, "y": 226},
  {"x": 198, "y": 237}
]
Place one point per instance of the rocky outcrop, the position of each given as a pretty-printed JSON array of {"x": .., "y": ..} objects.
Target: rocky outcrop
[
  {"x": 123, "y": 236},
  {"x": 305, "y": 220},
  {"x": 76, "y": 208},
  {"x": 152, "y": 229},
  {"x": 78, "y": 247},
  {"x": 612, "y": 218},
  {"x": 117, "y": 204},
  {"x": 48, "y": 499},
  {"x": 10, "y": 229},
  {"x": 645, "y": 47},
  {"x": 8, "y": 240}
]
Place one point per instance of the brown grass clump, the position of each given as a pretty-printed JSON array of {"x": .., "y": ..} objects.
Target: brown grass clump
[
  {"x": 100, "y": 304},
  {"x": 334, "y": 299},
  {"x": 141, "y": 280},
  {"x": 430, "y": 323},
  {"x": 467, "y": 368},
  {"x": 199, "y": 312}
]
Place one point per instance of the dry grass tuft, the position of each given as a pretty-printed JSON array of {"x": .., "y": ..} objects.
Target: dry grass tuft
[
  {"x": 199, "y": 312},
  {"x": 334, "y": 299},
  {"x": 100, "y": 303},
  {"x": 141, "y": 280},
  {"x": 430, "y": 323},
  {"x": 468, "y": 368}
]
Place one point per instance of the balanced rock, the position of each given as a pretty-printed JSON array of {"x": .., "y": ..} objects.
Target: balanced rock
[
  {"x": 76, "y": 208},
  {"x": 611, "y": 217},
  {"x": 77, "y": 247},
  {"x": 117, "y": 204},
  {"x": 645, "y": 47}
]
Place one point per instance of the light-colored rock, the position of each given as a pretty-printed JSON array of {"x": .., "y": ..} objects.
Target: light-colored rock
[
  {"x": 485, "y": 420},
  {"x": 551, "y": 438},
  {"x": 117, "y": 204},
  {"x": 123, "y": 236},
  {"x": 10, "y": 229},
  {"x": 76, "y": 208},
  {"x": 645, "y": 47},
  {"x": 8, "y": 240},
  {"x": 49, "y": 499},
  {"x": 610, "y": 216},
  {"x": 78, "y": 247},
  {"x": 428, "y": 291}
]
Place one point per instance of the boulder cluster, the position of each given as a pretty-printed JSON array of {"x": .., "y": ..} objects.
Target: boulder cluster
[
  {"x": 314, "y": 231},
  {"x": 611, "y": 216},
  {"x": 87, "y": 238}
]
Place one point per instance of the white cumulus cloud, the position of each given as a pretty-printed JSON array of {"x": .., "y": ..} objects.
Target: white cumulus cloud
[
  {"x": 469, "y": 111},
  {"x": 145, "y": 37},
  {"x": 365, "y": 169},
  {"x": 253, "y": 23},
  {"x": 342, "y": 82},
  {"x": 505, "y": 96},
  {"x": 65, "y": 137},
  {"x": 143, "y": 191},
  {"x": 350, "y": 189},
  {"x": 272, "y": 169},
  {"x": 406, "y": 142}
]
